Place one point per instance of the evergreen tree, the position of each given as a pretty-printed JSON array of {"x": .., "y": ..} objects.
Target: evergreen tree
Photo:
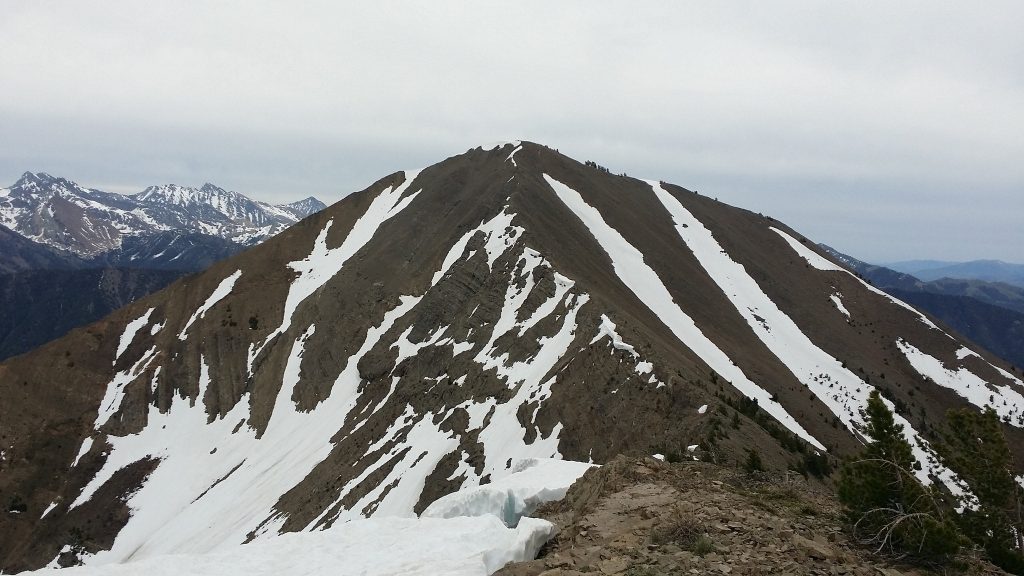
[
  {"x": 976, "y": 449},
  {"x": 885, "y": 502}
]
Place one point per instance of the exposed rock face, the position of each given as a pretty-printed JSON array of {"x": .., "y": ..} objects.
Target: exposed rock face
[
  {"x": 425, "y": 333},
  {"x": 642, "y": 517}
]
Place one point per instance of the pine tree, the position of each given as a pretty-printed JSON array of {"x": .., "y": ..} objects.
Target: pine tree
[
  {"x": 885, "y": 503},
  {"x": 976, "y": 449}
]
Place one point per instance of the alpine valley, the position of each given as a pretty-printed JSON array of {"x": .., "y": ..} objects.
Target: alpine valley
[{"x": 427, "y": 336}]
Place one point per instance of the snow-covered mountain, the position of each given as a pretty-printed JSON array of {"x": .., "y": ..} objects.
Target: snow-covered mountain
[
  {"x": 424, "y": 335},
  {"x": 305, "y": 207},
  {"x": 62, "y": 214}
]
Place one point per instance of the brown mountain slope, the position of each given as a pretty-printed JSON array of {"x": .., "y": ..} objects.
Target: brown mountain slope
[{"x": 425, "y": 333}]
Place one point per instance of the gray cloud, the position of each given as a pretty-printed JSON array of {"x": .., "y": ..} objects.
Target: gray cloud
[{"x": 888, "y": 130}]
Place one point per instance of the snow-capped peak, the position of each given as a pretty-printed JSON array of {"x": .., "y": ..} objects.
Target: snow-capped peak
[{"x": 63, "y": 214}]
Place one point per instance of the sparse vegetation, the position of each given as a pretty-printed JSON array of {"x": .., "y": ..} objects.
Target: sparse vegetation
[
  {"x": 703, "y": 545},
  {"x": 753, "y": 462},
  {"x": 680, "y": 530}
]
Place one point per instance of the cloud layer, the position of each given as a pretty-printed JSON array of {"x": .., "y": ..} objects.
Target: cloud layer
[{"x": 888, "y": 130}]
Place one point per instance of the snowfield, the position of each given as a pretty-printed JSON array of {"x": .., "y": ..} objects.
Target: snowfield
[{"x": 473, "y": 532}]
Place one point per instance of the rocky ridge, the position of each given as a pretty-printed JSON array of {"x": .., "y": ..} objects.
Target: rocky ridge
[{"x": 645, "y": 517}]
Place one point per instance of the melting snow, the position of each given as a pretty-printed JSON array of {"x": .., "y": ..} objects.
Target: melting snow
[
  {"x": 820, "y": 263},
  {"x": 532, "y": 482},
  {"x": 499, "y": 234},
  {"x": 129, "y": 333},
  {"x": 48, "y": 509},
  {"x": 324, "y": 263},
  {"x": 837, "y": 300},
  {"x": 219, "y": 293},
  {"x": 512, "y": 156},
  {"x": 1006, "y": 400},
  {"x": 86, "y": 446},
  {"x": 466, "y": 546},
  {"x": 629, "y": 265},
  {"x": 842, "y": 391}
]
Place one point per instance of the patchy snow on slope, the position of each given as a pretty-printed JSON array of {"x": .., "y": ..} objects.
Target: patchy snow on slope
[
  {"x": 218, "y": 294},
  {"x": 86, "y": 446},
  {"x": 837, "y": 387},
  {"x": 130, "y": 330},
  {"x": 607, "y": 329},
  {"x": 821, "y": 263},
  {"x": 1007, "y": 401},
  {"x": 465, "y": 546},
  {"x": 532, "y": 482},
  {"x": 837, "y": 300},
  {"x": 503, "y": 435},
  {"x": 512, "y": 156},
  {"x": 218, "y": 475},
  {"x": 114, "y": 393},
  {"x": 964, "y": 352},
  {"x": 499, "y": 235},
  {"x": 633, "y": 271},
  {"x": 324, "y": 263},
  {"x": 48, "y": 509}
]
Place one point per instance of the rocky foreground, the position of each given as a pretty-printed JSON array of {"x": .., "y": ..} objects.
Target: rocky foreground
[{"x": 644, "y": 517}]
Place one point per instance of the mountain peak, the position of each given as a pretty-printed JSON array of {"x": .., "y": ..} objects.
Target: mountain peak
[
  {"x": 429, "y": 331},
  {"x": 37, "y": 180},
  {"x": 212, "y": 189}
]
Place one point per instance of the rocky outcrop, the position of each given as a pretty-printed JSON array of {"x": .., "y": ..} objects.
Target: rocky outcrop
[{"x": 645, "y": 517}]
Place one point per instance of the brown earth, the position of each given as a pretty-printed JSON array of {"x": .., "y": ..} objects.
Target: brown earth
[{"x": 645, "y": 517}]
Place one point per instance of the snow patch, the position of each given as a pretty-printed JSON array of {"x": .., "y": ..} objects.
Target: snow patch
[
  {"x": 130, "y": 330},
  {"x": 1007, "y": 401},
  {"x": 465, "y": 546},
  {"x": 499, "y": 235},
  {"x": 48, "y": 509},
  {"x": 837, "y": 300},
  {"x": 218, "y": 294},
  {"x": 964, "y": 352},
  {"x": 512, "y": 156},
  {"x": 86, "y": 446},
  {"x": 531, "y": 483}
]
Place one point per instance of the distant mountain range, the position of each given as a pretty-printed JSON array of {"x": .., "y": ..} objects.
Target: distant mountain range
[
  {"x": 69, "y": 255},
  {"x": 989, "y": 313},
  {"x": 90, "y": 223},
  {"x": 987, "y": 270}
]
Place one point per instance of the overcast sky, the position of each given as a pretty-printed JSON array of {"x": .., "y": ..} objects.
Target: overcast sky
[{"x": 889, "y": 130}]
